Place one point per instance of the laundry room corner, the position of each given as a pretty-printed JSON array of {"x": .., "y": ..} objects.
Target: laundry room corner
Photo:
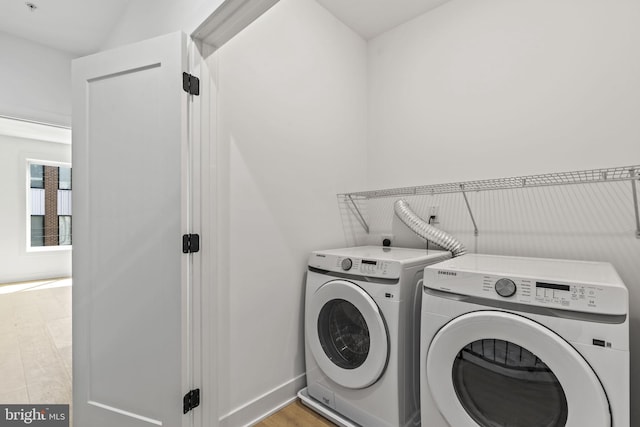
[{"x": 369, "y": 211}]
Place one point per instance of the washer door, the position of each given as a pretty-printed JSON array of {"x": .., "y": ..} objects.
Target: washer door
[
  {"x": 347, "y": 334},
  {"x": 492, "y": 368}
]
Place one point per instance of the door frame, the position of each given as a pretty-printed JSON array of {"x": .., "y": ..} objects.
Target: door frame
[
  {"x": 200, "y": 211},
  {"x": 224, "y": 23}
]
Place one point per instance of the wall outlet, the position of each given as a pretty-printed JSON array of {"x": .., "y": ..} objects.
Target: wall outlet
[
  {"x": 433, "y": 215},
  {"x": 386, "y": 239}
]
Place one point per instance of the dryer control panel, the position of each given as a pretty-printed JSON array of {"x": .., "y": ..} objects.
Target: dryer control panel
[
  {"x": 584, "y": 286},
  {"x": 357, "y": 266},
  {"x": 579, "y": 294},
  {"x": 577, "y": 297}
]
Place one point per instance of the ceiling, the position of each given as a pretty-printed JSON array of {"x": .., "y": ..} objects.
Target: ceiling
[
  {"x": 81, "y": 27},
  {"x": 370, "y": 18}
]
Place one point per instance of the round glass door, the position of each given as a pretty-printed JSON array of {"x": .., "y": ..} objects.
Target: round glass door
[
  {"x": 500, "y": 383},
  {"x": 498, "y": 369},
  {"x": 347, "y": 334},
  {"x": 343, "y": 334}
]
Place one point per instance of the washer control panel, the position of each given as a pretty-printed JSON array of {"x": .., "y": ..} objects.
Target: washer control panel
[{"x": 356, "y": 266}]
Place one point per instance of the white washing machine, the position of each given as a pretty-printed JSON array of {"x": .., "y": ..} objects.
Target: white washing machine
[
  {"x": 362, "y": 311},
  {"x": 522, "y": 342}
]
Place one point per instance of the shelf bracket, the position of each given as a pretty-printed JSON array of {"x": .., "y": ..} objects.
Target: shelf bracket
[
  {"x": 475, "y": 226},
  {"x": 359, "y": 216},
  {"x": 635, "y": 178}
]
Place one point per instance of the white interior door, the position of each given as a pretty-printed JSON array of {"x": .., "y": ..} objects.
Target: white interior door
[{"x": 131, "y": 291}]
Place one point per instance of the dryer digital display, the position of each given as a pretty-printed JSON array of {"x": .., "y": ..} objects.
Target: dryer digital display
[{"x": 553, "y": 286}]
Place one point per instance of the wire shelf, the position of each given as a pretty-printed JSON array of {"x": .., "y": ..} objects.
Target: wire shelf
[
  {"x": 617, "y": 174},
  {"x": 627, "y": 173}
]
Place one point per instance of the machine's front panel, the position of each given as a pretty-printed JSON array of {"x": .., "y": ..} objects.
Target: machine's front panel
[
  {"x": 369, "y": 267},
  {"x": 554, "y": 294},
  {"x": 491, "y": 368}
]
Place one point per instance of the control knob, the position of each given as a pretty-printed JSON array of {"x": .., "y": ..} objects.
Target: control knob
[
  {"x": 347, "y": 264},
  {"x": 505, "y": 288}
]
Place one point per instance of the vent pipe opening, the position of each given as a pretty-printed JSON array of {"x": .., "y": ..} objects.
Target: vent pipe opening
[{"x": 425, "y": 230}]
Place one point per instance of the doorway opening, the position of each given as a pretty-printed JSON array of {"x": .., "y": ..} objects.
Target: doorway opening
[{"x": 35, "y": 255}]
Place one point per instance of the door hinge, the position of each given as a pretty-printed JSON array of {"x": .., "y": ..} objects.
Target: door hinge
[
  {"x": 191, "y": 400},
  {"x": 190, "y": 243},
  {"x": 190, "y": 84}
]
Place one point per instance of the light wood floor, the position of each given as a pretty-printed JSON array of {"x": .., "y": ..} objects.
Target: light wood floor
[
  {"x": 295, "y": 415},
  {"x": 35, "y": 342}
]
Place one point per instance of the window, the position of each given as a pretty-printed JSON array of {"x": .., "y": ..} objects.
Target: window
[
  {"x": 49, "y": 205},
  {"x": 64, "y": 230},
  {"x": 37, "y": 230},
  {"x": 37, "y": 176},
  {"x": 64, "y": 178}
]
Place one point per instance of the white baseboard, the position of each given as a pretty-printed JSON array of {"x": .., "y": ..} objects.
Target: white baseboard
[{"x": 265, "y": 405}]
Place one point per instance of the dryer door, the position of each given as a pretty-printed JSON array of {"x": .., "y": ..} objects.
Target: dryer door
[
  {"x": 347, "y": 334},
  {"x": 492, "y": 368}
]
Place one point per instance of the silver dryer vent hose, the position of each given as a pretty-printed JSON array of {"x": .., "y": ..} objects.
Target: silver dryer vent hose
[{"x": 426, "y": 230}]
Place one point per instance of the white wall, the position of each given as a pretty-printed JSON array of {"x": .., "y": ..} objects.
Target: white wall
[
  {"x": 292, "y": 120},
  {"x": 16, "y": 264},
  {"x": 35, "y": 81},
  {"x": 494, "y": 89}
]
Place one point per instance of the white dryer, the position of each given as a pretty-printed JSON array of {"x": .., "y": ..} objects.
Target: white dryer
[
  {"x": 522, "y": 342},
  {"x": 362, "y": 311}
]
